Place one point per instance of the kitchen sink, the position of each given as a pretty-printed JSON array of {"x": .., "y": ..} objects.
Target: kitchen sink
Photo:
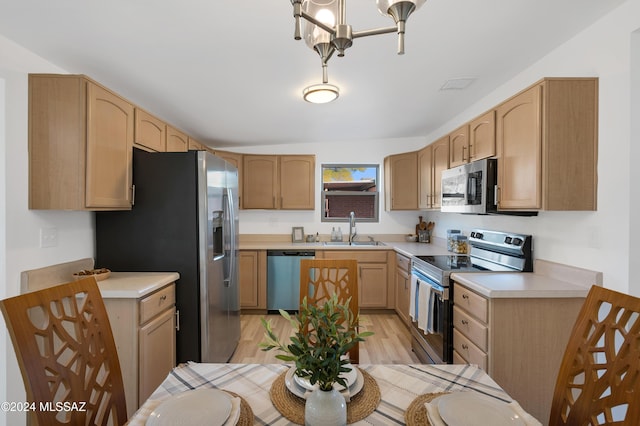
[{"x": 354, "y": 243}]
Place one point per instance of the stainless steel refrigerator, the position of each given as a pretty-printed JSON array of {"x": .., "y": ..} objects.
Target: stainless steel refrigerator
[{"x": 184, "y": 219}]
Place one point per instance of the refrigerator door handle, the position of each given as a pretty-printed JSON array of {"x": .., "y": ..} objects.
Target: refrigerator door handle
[{"x": 232, "y": 227}]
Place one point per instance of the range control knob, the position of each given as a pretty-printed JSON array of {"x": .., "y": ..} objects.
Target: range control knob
[
  {"x": 507, "y": 240},
  {"x": 477, "y": 235},
  {"x": 516, "y": 242}
]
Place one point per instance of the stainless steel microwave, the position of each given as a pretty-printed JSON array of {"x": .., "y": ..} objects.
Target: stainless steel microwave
[
  {"x": 473, "y": 188},
  {"x": 470, "y": 188}
]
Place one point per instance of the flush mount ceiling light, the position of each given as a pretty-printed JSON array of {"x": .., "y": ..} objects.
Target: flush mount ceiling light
[
  {"x": 320, "y": 93},
  {"x": 326, "y": 30}
]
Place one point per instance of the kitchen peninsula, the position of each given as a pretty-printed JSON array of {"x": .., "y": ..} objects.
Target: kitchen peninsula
[{"x": 142, "y": 313}]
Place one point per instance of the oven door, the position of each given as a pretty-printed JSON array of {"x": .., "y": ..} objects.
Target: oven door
[{"x": 431, "y": 322}]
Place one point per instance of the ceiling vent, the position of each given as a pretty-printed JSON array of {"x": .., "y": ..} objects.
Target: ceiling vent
[{"x": 457, "y": 83}]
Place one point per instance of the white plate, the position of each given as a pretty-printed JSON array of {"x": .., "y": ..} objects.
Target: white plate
[
  {"x": 472, "y": 409},
  {"x": 297, "y": 390},
  {"x": 210, "y": 407},
  {"x": 350, "y": 377}
]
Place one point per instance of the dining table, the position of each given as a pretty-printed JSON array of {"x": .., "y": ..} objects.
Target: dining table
[{"x": 392, "y": 393}]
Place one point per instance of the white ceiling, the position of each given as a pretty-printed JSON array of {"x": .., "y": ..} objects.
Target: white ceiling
[{"x": 230, "y": 73}]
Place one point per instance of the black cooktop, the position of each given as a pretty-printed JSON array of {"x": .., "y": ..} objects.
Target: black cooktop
[
  {"x": 454, "y": 262},
  {"x": 461, "y": 263}
]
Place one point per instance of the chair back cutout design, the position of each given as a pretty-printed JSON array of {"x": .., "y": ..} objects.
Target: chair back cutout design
[
  {"x": 599, "y": 378},
  {"x": 321, "y": 278},
  {"x": 67, "y": 355}
]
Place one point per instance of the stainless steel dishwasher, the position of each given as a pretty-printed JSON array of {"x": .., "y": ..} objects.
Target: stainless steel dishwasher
[{"x": 283, "y": 278}]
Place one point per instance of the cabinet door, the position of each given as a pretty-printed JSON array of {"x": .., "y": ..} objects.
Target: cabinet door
[
  {"x": 482, "y": 137},
  {"x": 150, "y": 132},
  {"x": 109, "y": 150},
  {"x": 236, "y": 160},
  {"x": 402, "y": 191},
  {"x": 157, "y": 355},
  {"x": 297, "y": 182},
  {"x": 260, "y": 181},
  {"x": 176, "y": 140},
  {"x": 459, "y": 146},
  {"x": 425, "y": 178},
  {"x": 194, "y": 145},
  {"x": 372, "y": 285},
  {"x": 248, "y": 280},
  {"x": 402, "y": 295},
  {"x": 440, "y": 156},
  {"x": 519, "y": 146}
]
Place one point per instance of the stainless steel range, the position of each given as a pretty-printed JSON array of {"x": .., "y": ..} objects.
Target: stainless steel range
[{"x": 431, "y": 306}]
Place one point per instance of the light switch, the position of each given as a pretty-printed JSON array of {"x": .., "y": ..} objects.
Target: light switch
[{"x": 48, "y": 237}]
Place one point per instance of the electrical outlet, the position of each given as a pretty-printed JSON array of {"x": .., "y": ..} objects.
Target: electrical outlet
[{"x": 48, "y": 237}]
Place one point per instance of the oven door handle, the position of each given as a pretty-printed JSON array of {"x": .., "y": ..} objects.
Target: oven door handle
[{"x": 436, "y": 288}]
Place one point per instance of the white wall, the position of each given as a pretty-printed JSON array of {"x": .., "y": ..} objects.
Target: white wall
[
  {"x": 598, "y": 240},
  {"x": 21, "y": 226},
  {"x": 634, "y": 176}
]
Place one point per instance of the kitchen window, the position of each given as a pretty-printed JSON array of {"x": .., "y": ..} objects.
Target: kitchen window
[{"x": 350, "y": 188}]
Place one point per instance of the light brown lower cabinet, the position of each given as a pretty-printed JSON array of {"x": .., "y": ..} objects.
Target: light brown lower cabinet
[
  {"x": 519, "y": 342},
  {"x": 374, "y": 276},
  {"x": 144, "y": 331},
  {"x": 403, "y": 288},
  {"x": 253, "y": 280}
]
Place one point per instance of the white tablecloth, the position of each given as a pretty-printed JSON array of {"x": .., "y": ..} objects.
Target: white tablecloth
[{"x": 399, "y": 386}]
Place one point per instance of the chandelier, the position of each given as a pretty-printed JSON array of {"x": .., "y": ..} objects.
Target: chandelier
[{"x": 326, "y": 32}]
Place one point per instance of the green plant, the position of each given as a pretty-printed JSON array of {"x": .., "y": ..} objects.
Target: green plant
[{"x": 324, "y": 335}]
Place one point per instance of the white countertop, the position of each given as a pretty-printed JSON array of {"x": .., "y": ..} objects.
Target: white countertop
[
  {"x": 519, "y": 285},
  {"x": 555, "y": 281},
  {"x": 405, "y": 248},
  {"x": 134, "y": 285}
]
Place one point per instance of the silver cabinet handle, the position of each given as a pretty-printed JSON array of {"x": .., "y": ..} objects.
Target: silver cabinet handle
[{"x": 177, "y": 320}]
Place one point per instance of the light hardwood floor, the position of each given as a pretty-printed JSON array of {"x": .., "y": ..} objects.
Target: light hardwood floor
[{"x": 391, "y": 343}]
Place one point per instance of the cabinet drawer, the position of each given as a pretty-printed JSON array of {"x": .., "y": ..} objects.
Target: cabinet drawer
[
  {"x": 402, "y": 262},
  {"x": 458, "y": 359},
  {"x": 371, "y": 256},
  {"x": 467, "y": 350},
  {"x": 471, "y": 328},
  {"x": 471, "y": 302},
  {"x": 157, "y": 302}
]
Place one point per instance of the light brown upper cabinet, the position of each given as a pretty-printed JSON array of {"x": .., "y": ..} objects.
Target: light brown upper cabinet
[
  {"x": 80, "y": 145},
  {"x": 546, "y": 139},
  {"x": 401, "y": 181},
  {"x": 482, "y": 137},
  {"x": 194, "y": 145},
  {"x": 284, "y": 182},
  {"x": 176, "y": 140},
  {"x": 149, "y": 132},
  {"x": 473, "y": 141},
  {"x": 459, "y": 146},
  {"x": 432, "y": 160},
  {"x": 236, "y": 160}
]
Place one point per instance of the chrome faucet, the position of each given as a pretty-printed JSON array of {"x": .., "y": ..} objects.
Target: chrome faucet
[{"x": 352, "y": 227}]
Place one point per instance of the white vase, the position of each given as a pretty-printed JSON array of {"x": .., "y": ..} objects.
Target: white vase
[{"x": 325, "y": 408}]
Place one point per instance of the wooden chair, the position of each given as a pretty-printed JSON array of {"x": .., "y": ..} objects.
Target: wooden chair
[
  {"x": 320, "y": 278},
  {"x": 599, "y": 377},
  {"x": 67, "y": 356}
]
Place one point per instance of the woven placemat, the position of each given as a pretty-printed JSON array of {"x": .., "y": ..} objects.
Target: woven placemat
[
  {"x": 246, "y": 413},
  {"x": 416, "y": 414},
  {"x": 292, "y": 406}
]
